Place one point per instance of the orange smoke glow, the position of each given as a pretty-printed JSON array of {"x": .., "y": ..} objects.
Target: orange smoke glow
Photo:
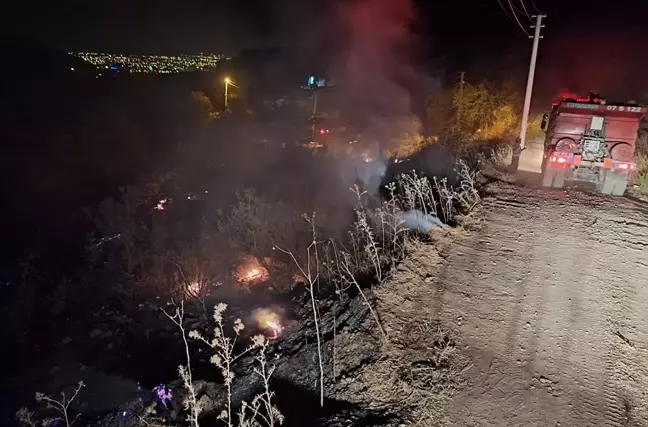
[{"x": 269, "y": 321}]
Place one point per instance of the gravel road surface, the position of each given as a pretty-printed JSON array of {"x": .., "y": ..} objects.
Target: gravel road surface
[{"x": 550, "y": 300}]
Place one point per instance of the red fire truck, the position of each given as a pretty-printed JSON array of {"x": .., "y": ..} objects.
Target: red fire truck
[{"x": 589, "y": 139}]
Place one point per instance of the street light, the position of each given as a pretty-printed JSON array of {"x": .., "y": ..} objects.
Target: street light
[{"x": 228, "y": 82}]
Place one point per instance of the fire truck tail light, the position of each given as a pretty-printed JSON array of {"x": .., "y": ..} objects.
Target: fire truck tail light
[
  {"x": 626, "y": 166},
  {"x": 556, "y": 159}
]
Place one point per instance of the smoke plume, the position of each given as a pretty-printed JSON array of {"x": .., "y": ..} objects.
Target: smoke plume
[
  {"x": 374, "y": 75},
  {"x": 373, "y": 67}
]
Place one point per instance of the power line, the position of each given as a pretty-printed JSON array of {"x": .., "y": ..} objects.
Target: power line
[
  {"x": 526, "y": 12},
  {"x": 517, "y": 19},
  {"x": 535, "y": 7},
  {"x": 505, "y": 11},
  {"x": 513, "y": 18},
  {"x": 517, "y": 10}
]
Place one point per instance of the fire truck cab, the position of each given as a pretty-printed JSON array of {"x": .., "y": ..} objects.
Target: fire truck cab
[{"x": 588, "y": 139}]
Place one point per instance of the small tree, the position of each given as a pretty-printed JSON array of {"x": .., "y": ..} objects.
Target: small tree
[
  {"x": 476, "y": 112},
  {"x": 121, "y": 251},
  {"x": 204, "y": 106},
  {"x": 256, "y": 224},
  {"x": 504, "y": 123},
  {"x": 407, "y": 144}
]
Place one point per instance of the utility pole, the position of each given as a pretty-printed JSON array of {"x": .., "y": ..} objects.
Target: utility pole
[
  {"x": 227, "y": 82},
  {"x": 314, "y": 115},
  {"x": 462, "y": 81},
  {"x": 518, "y": 148},
  {"x": 529, "y": 88}
]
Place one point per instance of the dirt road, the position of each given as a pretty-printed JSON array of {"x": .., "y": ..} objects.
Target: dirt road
[{"x": 550, "y": 302}]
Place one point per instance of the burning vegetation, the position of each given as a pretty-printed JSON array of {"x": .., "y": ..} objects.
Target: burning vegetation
[
  {"x": 348, "y": 241},
  {"x": 337, "y": 251},
  {"x": 269, "y": 321},
  {"x": 251, "y": 272}
]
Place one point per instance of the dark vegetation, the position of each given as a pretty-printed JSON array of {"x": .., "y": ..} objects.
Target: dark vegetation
[{"x": 134, "y": 190}]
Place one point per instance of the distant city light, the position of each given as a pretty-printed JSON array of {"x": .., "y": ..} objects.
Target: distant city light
[
  {"x": 161, "y": 64},
  {"x": 72, "y": 69}
]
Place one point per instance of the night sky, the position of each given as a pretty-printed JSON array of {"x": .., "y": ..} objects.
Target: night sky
[
  {"x": 193, "y": 25},
  {"x": 590, "y": 44}
]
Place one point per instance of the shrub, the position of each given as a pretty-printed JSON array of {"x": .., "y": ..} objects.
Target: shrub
[{"x": 642, "y": 172}]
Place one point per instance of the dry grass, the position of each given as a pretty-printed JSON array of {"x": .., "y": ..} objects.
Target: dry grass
[
  {"x": 642, "y": 173},
  {"x": 56, "y": 410},
  {"x": 415, "y": 372},
  {"x": 260, "y": 412},
  {"x": 311, "y": 272},
  {"x": 470, "y": 221},
  {"x": 495, "y": 163},
  {"x": 419, "y": 369}
]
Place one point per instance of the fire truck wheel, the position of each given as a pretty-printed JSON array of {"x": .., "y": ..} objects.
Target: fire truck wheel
[
  {"x": 608, "y": 183},
  {"x": 547, "y": 153},
  {"x": 614, "y": 183},
  {"x": 559, "y": 179},
  {"x": 621, "y": 184},
  {"x": 548, "y": 176}
]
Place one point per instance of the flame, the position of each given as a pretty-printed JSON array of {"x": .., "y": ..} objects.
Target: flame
[
  {"x": 269, "y": 321},
  {"x": 253, "y": 274},
  {"x": 250, "y": 271},
  {"x": 194, "y": 288},
  {"x": 367, "y": 157},
  {"x": 276, "y": 329}
]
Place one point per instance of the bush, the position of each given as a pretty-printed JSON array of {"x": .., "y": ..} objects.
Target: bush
[
  {"x": 642, "y": 172},
  {"x": 641, "y": 175}
]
